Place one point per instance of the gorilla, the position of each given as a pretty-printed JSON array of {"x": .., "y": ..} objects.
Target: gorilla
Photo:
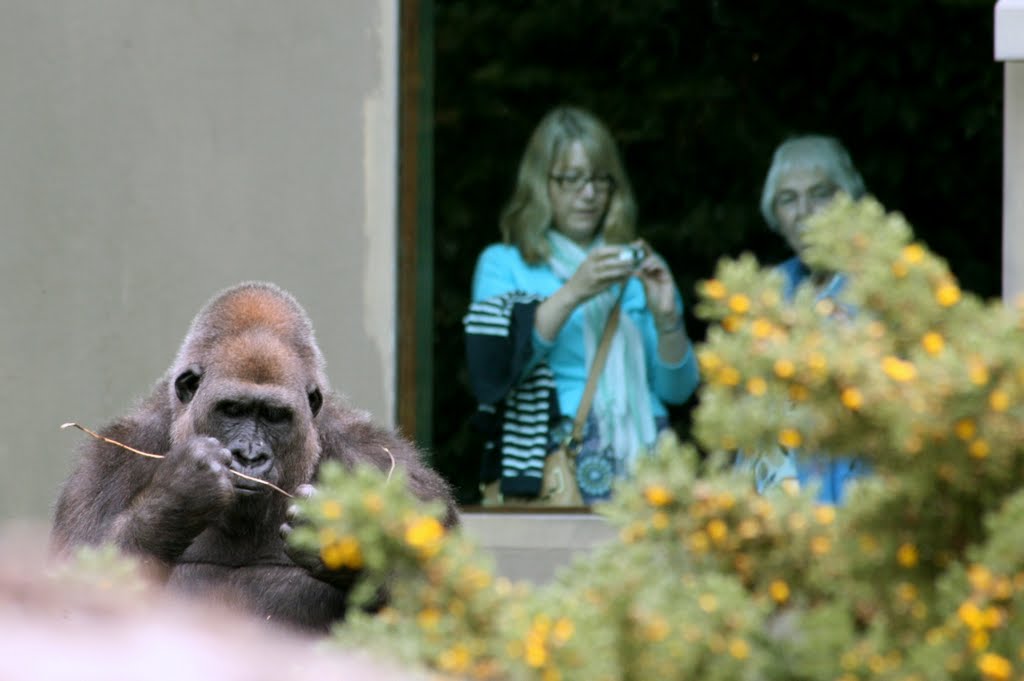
[{"x": 247, "y": 395}]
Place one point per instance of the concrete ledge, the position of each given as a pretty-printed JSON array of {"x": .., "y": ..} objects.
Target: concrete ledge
[{"x": 532, "y": 546}]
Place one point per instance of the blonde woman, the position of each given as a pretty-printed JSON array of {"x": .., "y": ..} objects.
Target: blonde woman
[{"x": 541, "y": 299}]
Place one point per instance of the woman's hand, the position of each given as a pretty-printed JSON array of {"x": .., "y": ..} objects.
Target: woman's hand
[
  {"x": 603, "y": 267},
  {"x": 660, "y": 288}
]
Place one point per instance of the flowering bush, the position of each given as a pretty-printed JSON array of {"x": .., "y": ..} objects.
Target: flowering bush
[{"x": 919, "y": 576}]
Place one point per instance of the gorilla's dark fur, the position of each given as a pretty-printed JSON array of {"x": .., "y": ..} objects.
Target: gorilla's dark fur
[{"x": 247, "y": 392}]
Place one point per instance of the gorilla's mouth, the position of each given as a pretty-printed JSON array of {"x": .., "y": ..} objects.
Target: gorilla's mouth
[{"x": 245, "y": 486}]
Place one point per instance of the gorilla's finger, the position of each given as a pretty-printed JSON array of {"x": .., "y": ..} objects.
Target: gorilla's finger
[
  {"x": 305, "y": 491},
  {"x": 293, "y": 512}
]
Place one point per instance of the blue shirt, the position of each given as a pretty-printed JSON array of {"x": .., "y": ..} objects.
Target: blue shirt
[
  {"x": 831, "y": 474},
  {"x": 500, "y": 269}
]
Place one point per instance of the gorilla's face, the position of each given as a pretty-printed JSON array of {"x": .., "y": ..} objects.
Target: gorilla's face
[{"x": 266, "y": 428}]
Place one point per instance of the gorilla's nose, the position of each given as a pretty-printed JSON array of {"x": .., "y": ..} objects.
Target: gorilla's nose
[{"x": 254, "y": 457}]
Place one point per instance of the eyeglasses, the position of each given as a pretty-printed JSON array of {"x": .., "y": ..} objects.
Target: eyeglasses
[
  {"x": 575, "y": 182},
  {"x": 816, "y": 196}
]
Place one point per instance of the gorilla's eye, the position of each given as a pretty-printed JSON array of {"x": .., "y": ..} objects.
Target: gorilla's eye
[
  {"x": 232, "y": 409},
  {"x": 276, "y": 414}
]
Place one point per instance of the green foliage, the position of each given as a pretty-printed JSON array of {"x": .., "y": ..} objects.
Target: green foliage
[
  {"x": 919, "y": 576},
  {"x": 101, "y": 569}
]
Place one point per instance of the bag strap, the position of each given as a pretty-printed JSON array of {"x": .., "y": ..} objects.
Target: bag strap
[{"x": 600, "y": 355}]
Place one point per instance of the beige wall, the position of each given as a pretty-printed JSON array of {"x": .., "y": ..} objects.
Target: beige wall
[{"x": 154, "y": 152}]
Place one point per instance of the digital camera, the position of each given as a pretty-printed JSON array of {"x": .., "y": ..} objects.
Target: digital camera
[{"x": 632, "y": 254}]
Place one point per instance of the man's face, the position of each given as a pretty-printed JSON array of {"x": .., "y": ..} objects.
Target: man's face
[{"x": 801, "y": 193}]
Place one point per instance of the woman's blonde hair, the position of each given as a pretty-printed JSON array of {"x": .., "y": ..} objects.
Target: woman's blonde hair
[{"x": 527, "y": 215}]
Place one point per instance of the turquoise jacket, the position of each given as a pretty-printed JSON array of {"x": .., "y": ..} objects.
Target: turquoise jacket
[{"x": 501, "y": 269}]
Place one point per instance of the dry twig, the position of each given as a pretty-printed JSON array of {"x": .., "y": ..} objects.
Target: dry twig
[{"x": 160, "y": 456}]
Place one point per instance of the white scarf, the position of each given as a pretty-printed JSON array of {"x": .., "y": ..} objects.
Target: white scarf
[{"x": 622, "y": 401}]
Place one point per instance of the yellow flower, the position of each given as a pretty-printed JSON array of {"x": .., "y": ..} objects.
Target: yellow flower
[
  {"x": 331, "y": 509},
  {"x": 948, "y": 294},
  {"x": 748, "y": 528},
  {"x": 424, "y": 533},
  {"x": 551, "y": 674},
  {"x": 632, "y": 533},
  {"x": 789, "y": 437},
  {"x": 343, "y": 553},
  {"x": 979, "y": 640},
  {"x": 825, "y": 307},
  {"x": 868, "y": 543},
  {"x": 817, "y": 362},
  {"x": 536, "y": 654},
  {"x": 852, "y": 399},
  {"x": 779, "y": 591},
  {"x": 699, "y": 542},
  {"x": 906, "y": 591},
  {"x": 731, "y": 323},
  {"x": 770, "y": 298},
  {"x": 658, "y": 495},
  {"x": 993, "y": 617},
  {"x": 761, "y": 328},
  {"x": 821, "y": 545},
  {"x": 913, "y": 253},
  {"x": 428, "y": 618},
  {"x": 898, "y": 369},
  {"x": 906, "y": 555},
  {"x": 784, "y": 368},
  {"x": 825, "y": 514},
  {"x": 659, "y": 520},
  {"x": 709, "y": 361},
  {"x": 724, "y": 501},
  {"x": 708, "y": 603},
  {"x": 714, "y": 289},
  {"x": 455, "y": 659},
  {"x": 965, "y": 429},
  {"x": 995, "y": 667},
  {"x": 977, "y": 372},
  {"x": 718, "y": 530},
  {"x": 739, "y": 649},
  {"x": 933, "y": 343},
  {"x": 979, "y": 449},
  {"x": 656, "y": 630},
  {"x": 757, "y": 386},
  {"x": 979, "y": 576},
  {"x": 563, "y": 630},
  {"x": 475, "y": 578},
  {"x": 373, "y": 503},
  {"x": 798, "y": 393},
  {"x": 739, "y": 303},
  {"x": 729, "y": 376},
  {"x": 913, "y": 444},
  {"x": 999, "y": 401},
  {"x": 1002, "y": 590},
  {"x": 899, "y": 269}
]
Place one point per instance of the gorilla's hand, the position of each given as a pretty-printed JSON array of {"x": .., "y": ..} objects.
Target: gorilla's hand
[
  {"x": 195, "y": 479},
  {"x": 309, "y": 560},
  {"x": 189, "y": 489}
]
